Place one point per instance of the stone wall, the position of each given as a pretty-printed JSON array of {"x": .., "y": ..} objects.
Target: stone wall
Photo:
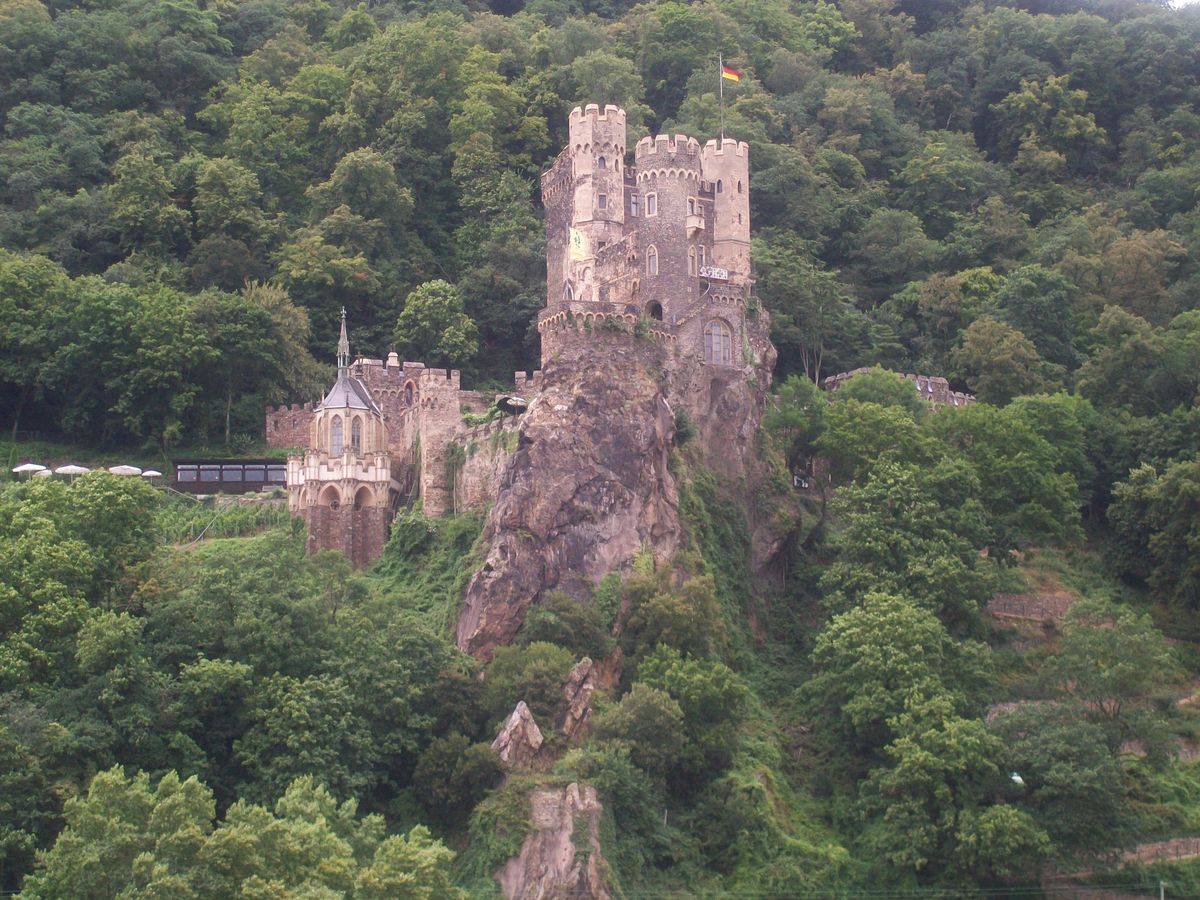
[
  {"x": 358, "y": 533},
  {"x": 287, "y": 426}
]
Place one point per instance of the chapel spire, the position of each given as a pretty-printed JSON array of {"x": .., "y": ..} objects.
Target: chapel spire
[{"x": 343, "y": 348}]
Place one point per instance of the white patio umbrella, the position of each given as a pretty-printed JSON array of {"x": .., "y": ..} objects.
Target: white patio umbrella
[
  {"x": 72, "y": 469},
  {"x": 125, "y": 470},
  {"x": 152, "y": 473},
  {"x": 29, "y": 467}
]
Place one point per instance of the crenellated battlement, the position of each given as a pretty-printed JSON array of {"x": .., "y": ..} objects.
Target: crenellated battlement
[
  {"x": 665, "y": 144},
  {"x": 611, "y": 114},
  {"x": 726, "y": 147}
]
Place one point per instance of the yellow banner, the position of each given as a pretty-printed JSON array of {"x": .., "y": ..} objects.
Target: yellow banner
[{"x": 578, "y": 245}]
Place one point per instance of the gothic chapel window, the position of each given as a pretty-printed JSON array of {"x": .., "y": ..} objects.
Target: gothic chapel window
[
  {"x": 717, "y": 343},
  {"x": 356, "y": 435},
  {"x": 335, "y": 436}
]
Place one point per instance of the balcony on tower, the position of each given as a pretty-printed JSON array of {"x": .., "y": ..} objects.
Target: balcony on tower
[{"x": 694, "y": 223}]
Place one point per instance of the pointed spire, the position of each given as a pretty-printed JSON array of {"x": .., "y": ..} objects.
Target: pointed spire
[{"x": 343, "y": 350}]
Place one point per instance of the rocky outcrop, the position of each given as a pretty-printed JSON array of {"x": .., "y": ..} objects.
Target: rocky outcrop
[
  {"x": 577, "y": 699},
  {"x": 587, "y": 488},
  {"x": 551, "y": 865},
  {"x": 519, "y": 739}
]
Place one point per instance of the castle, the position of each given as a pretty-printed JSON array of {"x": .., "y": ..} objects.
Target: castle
[{"x": 654, "y": 249}]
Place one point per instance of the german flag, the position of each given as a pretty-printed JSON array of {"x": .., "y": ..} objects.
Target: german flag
[{"x": 731, "y": 74}]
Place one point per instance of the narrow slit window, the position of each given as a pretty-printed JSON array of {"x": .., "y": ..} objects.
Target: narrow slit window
[
  {"x": 691, "y": 260},
  {"x": 602, "y": 201}
]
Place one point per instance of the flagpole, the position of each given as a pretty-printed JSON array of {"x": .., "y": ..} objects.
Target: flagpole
[{"x": 721, "y": 90}]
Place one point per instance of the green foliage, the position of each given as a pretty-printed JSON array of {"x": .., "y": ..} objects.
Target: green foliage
[
  {"x": 433, "y": 325},
  {"x": 453, "y": 776},
  {"x": 534, "y": 673},
  {"x": 560, "y": 619},
  {"x": 872, "y": 662},
  {"x": 713, "y": 701},
  {"x": 649, "y": 722},
  {"x": 125, "y": 837}
]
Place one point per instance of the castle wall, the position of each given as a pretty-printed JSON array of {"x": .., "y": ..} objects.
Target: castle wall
[{"x": 287, "y": 426}]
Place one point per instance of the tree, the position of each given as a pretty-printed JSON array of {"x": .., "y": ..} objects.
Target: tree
[
  {"x": 914, "y": 531},
  {"x": 1025, "y": 486},
  {"x": 929, "y": 811},
  {"x": 1038, "y": 302},
  {"x": 945, "y": 180},
  {"x": 1068, "y": 775},
  {"x": 453, "y": 775},
  {"x": 883, "y": 388},
  {"x": 434, "y": 326},
  {"x": 534, "y": 673},
  {"x": 144, "y": 208},
  {"x": 811, "y": 310},
  {"x": 650, "y": 723},
  {"x": 1157, "y": 519},
  {"x": 125, "y": 837},
  {"x": 872, "y": 661},
  {"x": 713, "y": 701},
  {"x": 1050, "y": 112},
  {"x": 857, "y": 435},
  {"x": 1109, "y": 659},
  {"x": 796, "y": 417},
  {"x": 998, "y": 363}
]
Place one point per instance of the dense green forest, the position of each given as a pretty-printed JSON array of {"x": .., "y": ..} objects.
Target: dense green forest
[{"x": 1002, "y": 193}]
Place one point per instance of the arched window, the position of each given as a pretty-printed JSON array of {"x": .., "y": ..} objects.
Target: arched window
[
  {"x": 335, "y": 436},
  {"x": 691, "y": 260},
  {"x": 601, "y": 164},
  {"x": 356, "y": 434},
  {"x": 652, "y": 261},
  {"x": 720, "y": 186},
  {"x": 408, "y": 394},
  {"x": 718, "y": 343},
  {"x": 654, "y": 310},
  {"x": 739, "y": 187},
  {"x": 568, "y": 294}
]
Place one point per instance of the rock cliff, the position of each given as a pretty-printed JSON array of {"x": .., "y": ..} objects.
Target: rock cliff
[
  {"x": 587, "y": 488},
  {"x": 555, "y": 861},
  {"x": 589, "y": 484}
]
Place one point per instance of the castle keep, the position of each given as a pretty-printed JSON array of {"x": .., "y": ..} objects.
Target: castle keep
[{"x": 650, "y": 249}]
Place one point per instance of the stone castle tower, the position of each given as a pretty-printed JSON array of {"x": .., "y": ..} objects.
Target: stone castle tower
[
  {"x": 666, "y": 239},
  {"x": 342, "y": 484}
]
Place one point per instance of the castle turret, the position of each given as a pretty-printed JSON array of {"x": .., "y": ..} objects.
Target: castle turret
[
  {"x": 726, "y": 165},
  {"x": 672, "y": 234}
]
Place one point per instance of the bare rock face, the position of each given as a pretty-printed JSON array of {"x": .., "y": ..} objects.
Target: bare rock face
[
  {"x": 577, "y": 699},
  {"x": 548, "y": 865},
  {"x": 587, "y": 488},
  {"x": 519, "y": 739}
]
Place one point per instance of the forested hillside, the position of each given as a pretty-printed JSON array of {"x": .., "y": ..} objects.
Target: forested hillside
[{"x": 1002, "y": 193}]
